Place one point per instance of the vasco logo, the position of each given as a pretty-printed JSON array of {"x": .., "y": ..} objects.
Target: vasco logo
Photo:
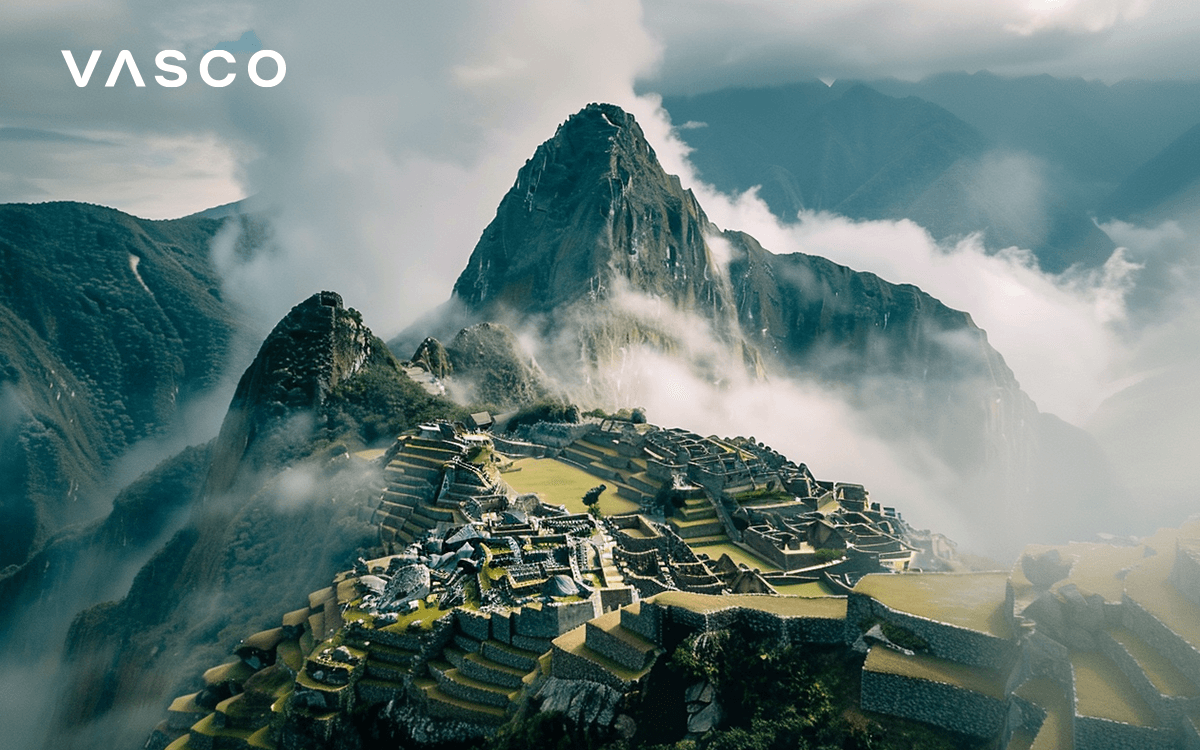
[{"x": 125, "y": 60}]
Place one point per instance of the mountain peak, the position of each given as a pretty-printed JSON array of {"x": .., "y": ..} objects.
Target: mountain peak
[
  {"x": 315, "y": 347},
  {"x": 592, "y": 213}
]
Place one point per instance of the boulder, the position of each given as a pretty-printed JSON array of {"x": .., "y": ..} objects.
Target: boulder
[
  {"x": 585, "y": 704},
  {"x": 705, "y": 719},
  {"x": 1046, "y": 569}
]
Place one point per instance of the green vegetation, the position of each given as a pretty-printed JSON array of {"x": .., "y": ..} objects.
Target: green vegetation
[
  {"x": 563, "y": 484},
  {"x": 784, "y": 697},
  {"x": 108, "y": 325},
  {"x": 636, "y": 415},
  {"x": 379, "y": 402},
  {"x": 544, "y": 410},
  {"x": 827, "y": 555}
]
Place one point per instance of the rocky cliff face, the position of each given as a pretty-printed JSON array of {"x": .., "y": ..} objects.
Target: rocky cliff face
[
  {"x": 590, "y": 215},
  {"x": 594, "y": 222},
  {"x": 316, "y": 347}
]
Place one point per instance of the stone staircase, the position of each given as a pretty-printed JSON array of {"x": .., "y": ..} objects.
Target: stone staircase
[
  {"x": 597, "y": 454},
  {"x": 698, "y": 524},
  {"x": 406, "y": 508},
  {"x": 477, "y": 680}
]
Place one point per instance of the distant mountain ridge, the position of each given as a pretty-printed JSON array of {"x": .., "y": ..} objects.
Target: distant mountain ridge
[
  {"x": 108, "y": 324},
  {"x": 882, "y": 150}
]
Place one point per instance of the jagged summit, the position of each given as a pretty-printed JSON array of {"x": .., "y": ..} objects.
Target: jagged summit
[
  {"x": 315, "y": 347},
  {"x": 590, "y": 212}
]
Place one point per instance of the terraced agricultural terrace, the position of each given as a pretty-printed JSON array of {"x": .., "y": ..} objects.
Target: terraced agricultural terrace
[{"x": 495, "y": 590}]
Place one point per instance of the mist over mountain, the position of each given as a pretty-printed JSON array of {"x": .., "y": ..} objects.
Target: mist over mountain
[
  {"x": 274, "y": 502},
  {"x": 109, "y": 325},
  {"x": 1098, "y": 132},
  {"x": 597, "y": 255},
  {"x": 601, "y": 280},
  {"x": 1162, "y": 188},
  {"x": 1026, "y": 162}
]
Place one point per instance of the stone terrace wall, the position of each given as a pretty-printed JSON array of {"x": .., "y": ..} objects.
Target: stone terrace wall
[
  {"x": 945, "y": 641},
  {"x": 790, "y": 629},
  {"x": 936, "y": 703},
  {"x": 1162, "y": 639},
  {"x": 1102, "y": 734}
]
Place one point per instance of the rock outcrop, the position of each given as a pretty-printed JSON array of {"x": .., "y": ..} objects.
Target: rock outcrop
[{"x": 490, "y": 367}]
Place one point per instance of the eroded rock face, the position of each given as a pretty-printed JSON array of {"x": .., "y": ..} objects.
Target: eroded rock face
[
  {"x": 432, "y": 356},
  {"x": 588, "y": 705},
  {"x": 591, "y": 211}
]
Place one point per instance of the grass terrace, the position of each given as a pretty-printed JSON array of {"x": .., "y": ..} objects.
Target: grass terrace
[
  {"x": 969, "y": 600},
  {"x": 1056, "y": 731},
  {"x": 924, "y": 667},
  {"x": 562, "y": 484},
  {"x": 1104, "y": 692},
  {"x": 1147, "y": 585},
  {"x": 736, "y": 553},
  {"x": 809, "y": 588},
  {"x": 829, "y": 608},
  {"x": 1096, "y": 565},
  {"x": 1166, "y": 679}
]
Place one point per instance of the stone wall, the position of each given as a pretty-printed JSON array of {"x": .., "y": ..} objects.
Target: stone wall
[
  {"x": 1162, "y": 639},
  {"x": 1101, "y": 734},
  {"x": 934, "y": 703},
  {"x": 518, "y": 447},
  {"x": 1185, "y": 575},
  {"x": 790, "y": 629},
  {"x": 555, "y": 434},
  {"x": 945, "y": 641},
  {"x": 552, "y": 620},
  {"x": 1170, "y": 710}
]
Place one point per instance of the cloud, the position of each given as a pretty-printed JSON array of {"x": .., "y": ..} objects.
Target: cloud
[
  {"x": 1026, "y": 313},
  {"x": 391, "y": 166},
  {"x": 155, "y": 177},
  {"x": 716, "y": 43}
]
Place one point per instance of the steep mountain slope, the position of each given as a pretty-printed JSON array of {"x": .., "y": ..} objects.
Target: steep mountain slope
[
  {"x": 281, "y": 502},
  {"x": 598, "y": 253},
  {"x": 590, "y": 213},
  {"x": 852, "y": 150},
  {"x": 1166, "y": 186},
  {"x": 593, "y": 221},
  {"x": 1098, "y": 132},
  {"x": 108, "y": 325}
]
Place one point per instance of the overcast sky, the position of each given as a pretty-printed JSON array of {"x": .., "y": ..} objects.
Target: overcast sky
[{"x": 164, "y": 152}]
